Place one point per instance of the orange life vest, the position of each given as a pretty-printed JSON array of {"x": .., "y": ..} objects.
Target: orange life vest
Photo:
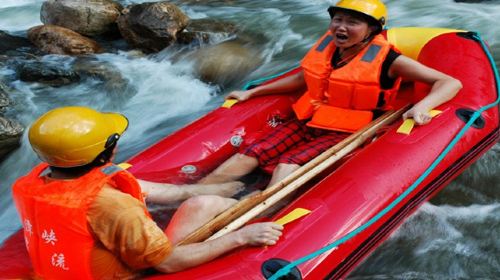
[
  {"x": 343, "y": 99},
  {"x": 54, "y": 218}
]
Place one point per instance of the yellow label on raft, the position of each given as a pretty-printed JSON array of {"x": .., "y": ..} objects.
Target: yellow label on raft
[
  {"x": 408, "y": 124},
  {"x": 292, "y": 216},
  {"x": 229, "y": 103},
  {"x": 434, "y": 113},
  {"x": 124, "y": 165},
  {"x": 406, "y": 127}
]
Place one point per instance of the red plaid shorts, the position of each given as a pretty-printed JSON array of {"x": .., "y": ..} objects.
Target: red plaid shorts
[{"x": 292, "y": 142}]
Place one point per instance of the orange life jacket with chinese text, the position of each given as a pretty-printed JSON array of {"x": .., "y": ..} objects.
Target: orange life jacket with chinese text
[
  {"x": 54, "y": 217},
  {"x": 343, "y": 99}
]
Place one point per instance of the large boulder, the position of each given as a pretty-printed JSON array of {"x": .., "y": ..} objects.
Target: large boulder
[
  {"x": 225, "y": 63},
  {"x": 10, "y": 135},
  {"x": 59, "y": 40},
  {"x": 152, "y": 26},
  {"x": 206, "y": 31},
  {"x": 87, "y": 17}
]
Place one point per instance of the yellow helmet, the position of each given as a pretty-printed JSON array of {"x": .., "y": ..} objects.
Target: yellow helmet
[
  {"x": 374, "y": 9},
  {"x": 74, "y": 136}
]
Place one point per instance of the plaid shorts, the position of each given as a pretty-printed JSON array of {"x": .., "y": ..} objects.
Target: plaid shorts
[{"x": 292, "y": 142}]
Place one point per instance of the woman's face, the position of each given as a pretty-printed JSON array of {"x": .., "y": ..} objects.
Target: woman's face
[{"x": 348, "y": 29}]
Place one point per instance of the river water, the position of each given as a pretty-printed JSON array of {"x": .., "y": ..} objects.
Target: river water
[{"x": 455, "y": 236}]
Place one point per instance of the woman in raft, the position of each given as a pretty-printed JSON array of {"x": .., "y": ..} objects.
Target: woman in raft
[{"x": 350, "y": 72}]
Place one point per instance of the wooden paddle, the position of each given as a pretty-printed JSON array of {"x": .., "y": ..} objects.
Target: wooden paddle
[{"x": 249, "y": 208}]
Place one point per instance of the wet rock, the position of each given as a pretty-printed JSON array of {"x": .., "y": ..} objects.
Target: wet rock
[
  {"x": 53, "y": 75},
  {"x": 87, "y": 17},
  {"x": 225, "y": 63},
  {"x": 206, "y": 31},
  {"x": 103, "y": 71},
  {"x": 10, "y": 135},
  {"x": 152, "y": 26},
  {"x": 13, "y": 43},
  {"x": 4, "y": 98},
  {"x": 59, "y": 40}
]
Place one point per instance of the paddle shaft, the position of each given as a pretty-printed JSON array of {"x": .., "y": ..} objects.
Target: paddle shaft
[{"x": 246, "y": 209}]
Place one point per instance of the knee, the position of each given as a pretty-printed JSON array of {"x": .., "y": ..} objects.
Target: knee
[
  {"x": 245, "y": 160},
  {"x": 207, "y": 203}
]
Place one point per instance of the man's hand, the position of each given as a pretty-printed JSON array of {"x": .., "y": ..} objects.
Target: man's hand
[{"x": 260, "y": 234}]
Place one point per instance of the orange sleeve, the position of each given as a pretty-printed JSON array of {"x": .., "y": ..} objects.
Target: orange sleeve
[{"x": 120, "y": 223}]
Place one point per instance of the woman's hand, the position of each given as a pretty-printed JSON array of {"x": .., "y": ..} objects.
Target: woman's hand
[
  {"x": 421, "y": 116},
  {"x": 240, "y": 95}
]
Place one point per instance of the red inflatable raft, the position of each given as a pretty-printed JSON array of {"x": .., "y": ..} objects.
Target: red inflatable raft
[{"x": 342, "y": 198}]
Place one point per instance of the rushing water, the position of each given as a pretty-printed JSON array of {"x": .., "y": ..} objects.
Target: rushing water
[{"x": 455, "y": 236}]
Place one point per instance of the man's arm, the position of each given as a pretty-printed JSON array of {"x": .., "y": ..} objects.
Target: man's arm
[{"x": 185, "y": 256}]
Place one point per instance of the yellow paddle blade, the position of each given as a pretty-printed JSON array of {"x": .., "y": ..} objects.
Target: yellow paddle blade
[
  {"x": 229, "y": 103},
  {"x": 292, "y": 216},
  {"x": 408, "y": 124},
  {"x": 124, "y": 165}
]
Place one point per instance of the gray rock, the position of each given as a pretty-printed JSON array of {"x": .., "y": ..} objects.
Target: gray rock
[
  {"x": 225, "y": 63},
  {"x": 59, "y": 40},
  {"x": 87, "y": 17},
  {"x": 206, "y": 31},
  {"x": 10, "y": 135},
  {"x": 50, "y": 74},
  {"x": 152, "y": 26},
  {"x": 4, "y": 98},
  {"x": 103, "y": 71}
]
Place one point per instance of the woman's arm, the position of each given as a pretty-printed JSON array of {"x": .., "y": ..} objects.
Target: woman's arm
[
  {"x": 444, "y": 87},
  {"x": 288, "y": 84}
]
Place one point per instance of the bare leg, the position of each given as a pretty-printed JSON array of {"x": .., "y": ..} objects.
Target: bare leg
[
  {"x": 281, "y": 171},
  {"x": 162, "y": 193},
  {"x": 232, "y": 169},
  {"x": 194, "y": 213}
]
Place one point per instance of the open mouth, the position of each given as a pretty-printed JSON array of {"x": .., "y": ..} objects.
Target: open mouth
[{"x": 341, "y": 37}]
